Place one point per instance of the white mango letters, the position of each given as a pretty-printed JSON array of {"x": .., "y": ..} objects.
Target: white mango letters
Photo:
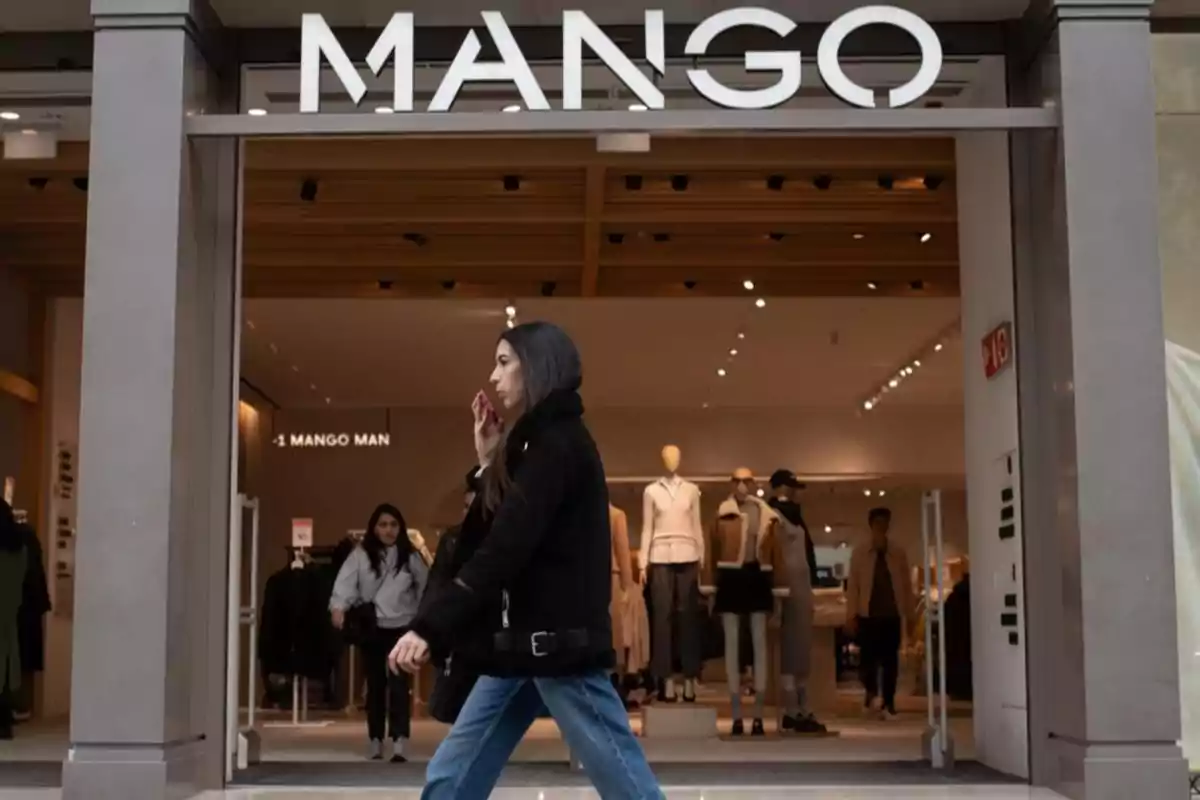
[{"x": 396, "y": 43}]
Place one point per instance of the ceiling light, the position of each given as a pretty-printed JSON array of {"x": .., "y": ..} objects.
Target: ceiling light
[
  {"x": 721, "y": 373},
  {"x": 295, "y": 368},
  {"x": 886, "y": 182},
  {"x": 925, "y": 237},
  {"x": 510, "y": 311},
  {"x": 29, "y": 132},
  {"x": 859, "y": 236},
  {"x": 312, "y": 386},
  {"x": 761, "y": 303},
  {"x": 823, "y": 182},
  {"x": 637, "y": 107},
  {"x": 829, "y": 529},
  {"x": 775, "y": 183},
  {"x": 511, "y": 324},
  {"x": 872, "y": 285},
  {"x": 704, "y": 405},
  {"x": 916, "y": 363},
  {"x": 308, "y": 190},
  {"x": 274, "y": 349},
  {"x": 328, "y": 400},
  {"x": 741, "y": 335},
  {"x": 9, "y": 116},
  {"x": 680, "y": 182},
  {"x": 869, "y": 405},
  {"x": 511, "y": 109},
  {"x": 257, "y": 112},
  {"x": 748, "y": 285},
  {"x": 882, "y": 493},
  {"x": 938, "y": 349},
  {"x": 512, "y": 183},
  {"x": 385, "y": 110},
  {"x": 867, "y": 492},
  {"x": 733, "y": 353},
  {"x": 893, "y": 383},
  {"x": 761, "y": 493}
]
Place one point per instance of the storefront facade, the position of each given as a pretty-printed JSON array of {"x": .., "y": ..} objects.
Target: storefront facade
[{"x": 161, "y": 300}]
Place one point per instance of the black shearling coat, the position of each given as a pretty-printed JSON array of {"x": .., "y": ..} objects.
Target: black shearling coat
[{"x": 547, "y": 546}]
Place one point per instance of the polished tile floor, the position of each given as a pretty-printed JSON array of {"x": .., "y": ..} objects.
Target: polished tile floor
[{"x": 724, "y": 793}]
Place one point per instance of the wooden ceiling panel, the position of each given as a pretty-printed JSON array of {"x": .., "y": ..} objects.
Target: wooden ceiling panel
[{"x": 437, "y": 218}]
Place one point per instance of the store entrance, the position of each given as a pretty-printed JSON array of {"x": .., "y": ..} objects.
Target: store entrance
[{"x": 761, "y": 303}]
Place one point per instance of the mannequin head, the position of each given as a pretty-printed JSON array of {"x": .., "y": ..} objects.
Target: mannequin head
[
  {"x": 671, "y": 457},
  {"x": 532, "y": 361},
  {"x": 744, "y": 486}
]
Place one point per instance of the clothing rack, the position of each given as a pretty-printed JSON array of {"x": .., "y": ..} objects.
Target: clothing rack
[{"x": 300, "y": 558}]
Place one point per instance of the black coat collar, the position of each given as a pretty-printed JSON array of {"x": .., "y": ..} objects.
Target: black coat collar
[{"x": 558, "y": 405}]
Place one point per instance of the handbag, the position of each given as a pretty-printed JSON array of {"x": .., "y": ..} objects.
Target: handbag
[
  {"x": 361, "y": 624},
  {"x": 451, "y": 688}
]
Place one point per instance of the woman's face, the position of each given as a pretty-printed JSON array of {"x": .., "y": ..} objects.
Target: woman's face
[
  {"x": 387, "y": 529},
  {"x": 506, "y": 377}
]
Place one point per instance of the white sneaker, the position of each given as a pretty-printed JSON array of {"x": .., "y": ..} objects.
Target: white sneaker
[
  {"x": 874, "y": 709},
  {"x": 888, "y": 716},
  {"x": 375, "y": 750}
]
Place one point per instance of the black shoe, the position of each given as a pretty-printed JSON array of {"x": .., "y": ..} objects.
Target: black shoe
[
  {"x": 399, "y": 759},
  {"x": 662, "y": 697},
  {"x": 6, "y": 735},
  {"x": 757, "y": 728},
  {"x": 788, "y": 724},
  {"x": 739, "y": 728},
  {"x": 809, "y": 724},
  {"x": 689, "y": 698}
]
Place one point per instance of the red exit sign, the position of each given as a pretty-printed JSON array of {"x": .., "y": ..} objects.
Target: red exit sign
[{"x": 997, "y": 350}]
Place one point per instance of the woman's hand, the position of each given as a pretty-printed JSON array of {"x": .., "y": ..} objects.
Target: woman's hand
[
  {"x": 488, "y": 428},
  {"x": 409, "y": 653},
  {"x": 339, "y": 618}
]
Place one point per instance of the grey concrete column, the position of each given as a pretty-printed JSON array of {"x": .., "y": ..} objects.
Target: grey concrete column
[
  {"x": 149, "y": 641},
  {"x": 1103, "y": 676}
]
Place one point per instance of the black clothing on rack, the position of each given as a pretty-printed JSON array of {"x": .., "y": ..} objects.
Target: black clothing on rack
[
  {"x": 35, "y": 604},
  {"x": 295, "y": 635}
]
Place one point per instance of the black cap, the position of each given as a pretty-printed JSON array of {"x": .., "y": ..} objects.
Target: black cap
[
  {"x": 473, "y": 481},
  {"x": 785, "y": 477}
]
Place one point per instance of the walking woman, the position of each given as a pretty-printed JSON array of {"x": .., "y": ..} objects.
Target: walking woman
[
  {"x": 380, "y": 585},
  {"x": 528, "y": 606}
]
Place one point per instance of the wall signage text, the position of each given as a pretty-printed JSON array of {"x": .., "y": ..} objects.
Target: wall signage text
[
  {"x": 313, "y": 441},
  {"x": 396, "y": 44},
  {"x": 997, "y": 350}
]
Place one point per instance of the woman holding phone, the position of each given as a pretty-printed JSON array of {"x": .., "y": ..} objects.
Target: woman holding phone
[{"x": 528, "y": 606}]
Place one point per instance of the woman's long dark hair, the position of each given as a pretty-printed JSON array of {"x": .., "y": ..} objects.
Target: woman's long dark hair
[
  {"x": 549, "y": 363},
  {"x": 11, "y": 540},
  {"x": 374, "y": 546}
]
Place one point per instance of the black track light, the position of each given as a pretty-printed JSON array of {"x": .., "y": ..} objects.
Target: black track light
[
  {"x": 775, "y": 237},
  {"x": 633, "y": 183},
  {"x": 886, "y": 182},
  {"x": 549, "y": 288},
  {"x": 419, "y": 239},
  {"x": 823, "y": 182},
  {"x": 385, "y": 284},
  {"x": 449, "y": 285},
  {"x": 679, "y": 182},
  {"x": 38, "y": 183},
  {"x": 512, "y": 183},
  {"x": 616, "y": 238},
  {"x": 662, "y": 237},
  {"x": 308, "y": 190},
  {"x": 80, "y": 183},
  {"x": 917, "y": 286},
  {"x": 934, "y": 182},
  {"x": 775, "y": 183},
  {"x": 689, "y": 285}
]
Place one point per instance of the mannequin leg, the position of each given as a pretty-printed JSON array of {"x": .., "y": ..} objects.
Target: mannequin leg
[
  {"x": 687, "y": 585},
  {"x": 791, "y": 704},
  {"x": 663, "y": 604},
  {"x": 733, "y": 674},
  {"x": 758, "y": 633}
]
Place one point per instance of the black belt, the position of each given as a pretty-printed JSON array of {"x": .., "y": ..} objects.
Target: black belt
[{"x": 541, "y": 643}]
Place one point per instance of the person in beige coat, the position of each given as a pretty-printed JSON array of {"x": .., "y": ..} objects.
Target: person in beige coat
[{"x": 880, "y": 605}]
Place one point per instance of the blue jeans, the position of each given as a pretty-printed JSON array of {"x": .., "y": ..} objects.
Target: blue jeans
[{"x": 499, "y": 712}]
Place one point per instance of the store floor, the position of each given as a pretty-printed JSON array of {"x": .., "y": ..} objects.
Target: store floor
[{"x": 690, "y": 793}]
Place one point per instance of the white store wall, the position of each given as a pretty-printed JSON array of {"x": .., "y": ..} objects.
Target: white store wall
[{"x": 992, "y": 439}]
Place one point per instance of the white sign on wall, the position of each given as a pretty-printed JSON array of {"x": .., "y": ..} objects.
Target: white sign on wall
[
  {"x": 302, "y": 533},
  {"x": 396, "y": 44},
  {"x": 332, "y": 440}
]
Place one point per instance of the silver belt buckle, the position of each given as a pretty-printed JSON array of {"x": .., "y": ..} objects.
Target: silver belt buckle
[{"x": 535, "y": 647}]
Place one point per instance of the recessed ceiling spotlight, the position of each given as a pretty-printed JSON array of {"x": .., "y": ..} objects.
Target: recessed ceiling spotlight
[
  {"x": 886, "y": 182},
  {"x": 882, "y": 493},
  {"x": 925, "y": 237},
  {"x": 510, "y": 311},
  {"x": 893, "y": 383},
  {"x": 741, "y": 335},
  {"x": 511, "y": 109},
  {"x": 872, "y": 285},
  {"x": 721, "y": 373},
  {"x": 274, "y": 348},
  {"x": 939, "y": 347},
  {"x": 748, "y": 285},
  {"x": 761, "y": 303},
  {"x": 328, "y": 400},
  {"x": 295, "y": 369},
  {"x": 250, "y": 324},
  {"x": 308, "y": 190},
  {"x": 312, "y": 386},
  {"x": 512, "y": 323},
  {"x": 823, "y": 182},
  {"x": 858, "y": 237},
  {"x": 680, "y": 182},
  {"x": 869, "y": 405},
  {"x": 828, "y": 529},
  {"x": 9, "y": 116},
  {"x": 637, "y": 107},
  {"x": 733, "y": 353},
  {"x": 916, "y": 363},
  {"x": 761, "y": 493},
  {"x": 257, "y": 112},
  {"x": 866, "y": 492},
  {"x": 512, "y": 183},
  {"x": 633, "y": 183}
]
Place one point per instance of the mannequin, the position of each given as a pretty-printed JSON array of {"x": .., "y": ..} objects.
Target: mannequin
[
  {"x": 622, "y": 583},
  {"x": 743, "y": 564},
  {"x": 670, "y": 559},
  {"x": 799, "y": 577}
]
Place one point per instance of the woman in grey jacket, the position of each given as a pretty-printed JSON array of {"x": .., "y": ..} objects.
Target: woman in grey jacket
[{"x": 386, "y": 571}]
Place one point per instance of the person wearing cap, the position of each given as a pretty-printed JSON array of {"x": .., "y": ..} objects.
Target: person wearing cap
[{"x": 800, "y": 568}]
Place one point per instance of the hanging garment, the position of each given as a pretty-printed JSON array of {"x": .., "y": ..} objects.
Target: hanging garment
[
  {"x": 636, "y": 625},
  {"x": 35, "y": 604},
  {"x": 295, "y": 636}
]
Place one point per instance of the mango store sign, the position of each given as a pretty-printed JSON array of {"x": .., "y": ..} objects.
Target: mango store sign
[
  {"x": 396, "y": 43},
  {"x": 317, "y": 441}
]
